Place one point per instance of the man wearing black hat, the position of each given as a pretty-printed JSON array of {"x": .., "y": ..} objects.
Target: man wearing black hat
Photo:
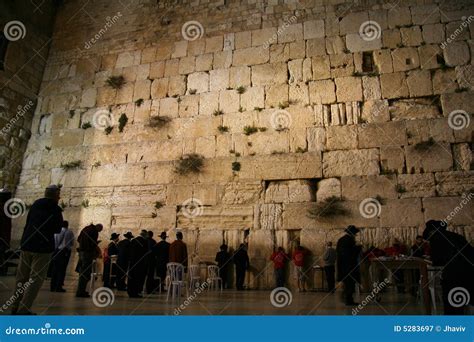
[
  {"x": 151, "y": 264},
  {"x": 37, "y": 244},
  {"x": 138, "y": 265},
  {"x": 162, "y": 255},
  {"x": 123, "y": 260},
  {"x": 348, "y": 263},
  {"x": 456, "y": 255},
  {"x": 112, "y": 250}
]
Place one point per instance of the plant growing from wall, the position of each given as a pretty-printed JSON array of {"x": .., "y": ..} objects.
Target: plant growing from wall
[
  {"x": 236, "y": 166},
  {"x": 423, "y": 146},
  {"x": 108, "y": 130},
  {"x": 158, "y": 121},
  {"x": 159, "y": 205},
  {"x": 116, "y": 82},
  {"x": 139, "y": 102},
  {"x": 96, "y": 164},
  {"x": 192, "y": 91},
  {"x": 328, "y": 208},
  {"x": 258, "y": 109},
  {"x": 71, "y": 165},
  {"x": 189, "y": 163},
  {"x": 241, "y": 89},
  {"x": 301, "y": 150},
  {"x": 154, "y": 215},
  {"x": 85, "y": 203},
  {"x": 400, "y": 189},
  {"x": 123, "y": 119},
  {"x": 249, "y": 130},
  {"x": 86, "y": 125},
  {"x": 218, "y": 112},
  {"x": 47, "y": 148},
  {"x": 223, "y": 129}
]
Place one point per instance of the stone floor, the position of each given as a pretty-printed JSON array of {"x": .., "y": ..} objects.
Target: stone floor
[{"x": 229, "y": 302}]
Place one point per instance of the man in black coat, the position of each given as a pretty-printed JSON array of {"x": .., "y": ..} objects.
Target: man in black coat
[
  {"x": 138, "y": 265},
  {"x": 162, "y": 254},
  {"x": 348, "y": 272},
  {"x": 456, "y": 256},
  {"x": 223, "y": 259},
  {"x": 151, "y": 262},
  {"x": 37, "y": 245},
  {"x": 88, "y": 251},
  {"x": 242, "y": 263},
  {"x": 110, "y": 275},
  {"x": 123, "y": 261}
]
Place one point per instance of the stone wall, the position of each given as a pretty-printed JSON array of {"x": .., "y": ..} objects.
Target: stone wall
[
  {"x": 27, "y": 29},
  {"x": 290, "y": 104}
]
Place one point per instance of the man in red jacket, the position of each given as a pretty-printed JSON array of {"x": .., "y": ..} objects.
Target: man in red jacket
[
  {"x": 299, "y": 256},
  {"x": 179, "y": 251},
  {"x": 279, "y": 258}
]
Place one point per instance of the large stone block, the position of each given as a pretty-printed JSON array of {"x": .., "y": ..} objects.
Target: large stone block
[
  {"x": 341, "y": 137},
  {"x": 454, "y": 210},
  {"x": 250, "y": 56},
  {"x": 382, "y": 134},
  {"x": 322, "y": 92},
  {"x": 436, "y": 157},
  {"x": 349, "y": 163},
  {"x": 198, "y": 81},
  {"x": 405, "y": 59},
  {"x": 402, "y": 213},
  {"x": 394, "y": 85},
  {"x": 349, "y": 89},
  {"x": 357, "y": 188},
  {"x": 330, "y": 187},
  {"x": 454, "y": 183},
  {"x": 269, "y": 74},
  {"x": 417, "y": 185}
]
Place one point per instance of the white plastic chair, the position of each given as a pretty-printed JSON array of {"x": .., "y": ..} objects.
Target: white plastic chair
[
  {"x": 213, "y": 277},
  {"x": 176, "y": 282},
  {"x": 194, "y": 276},
  {"x": 95, "y": 274}
]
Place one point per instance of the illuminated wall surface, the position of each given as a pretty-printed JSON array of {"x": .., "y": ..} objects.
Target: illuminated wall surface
[{"x": 287, "y": 120}]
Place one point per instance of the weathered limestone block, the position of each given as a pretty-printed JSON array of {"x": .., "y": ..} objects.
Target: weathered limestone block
[
  {"x": 263, "y": 36},
  {"x": 169, "y": 107},
  {"x": 241, "y": 192},
  {"x": 392, "y": 159},
  {"x": 177, "y": 85},
  {"x": 316, "y": 137},
  {"x": 334, "y": 46},
  {"x": 357, "y": 188},
  {"x": 217, "y": 217},
  {"x": 437, "y": 157},
  {"x": 462, "y": 155},
  {"x": 402, "y": 213},
  {"x": 371, "y": 88},
  {"x": 229, "y": 101},
  {"x": 128, "y": 58},
  {"x": 416, "y": 185},
  {"x": 189, "y": 105},
  {"x": 411, "y": 36},
  {"x": 348, "y": 89},
  {"x": 198, "y": 81},
  {"x": 276, "y": 192},
  {"x": 433, "y": 33},
  {"x": 322, "y": 92},
  {"x": 299, "y": 93},
  {"x": 457, "y": 101},
  {"x": 352, "y": 162},
  {"x": 89, "y": 97},
  {"x": 455, "y": 210},
  {"x": 295, "y": 70},
  {"x": 456, "y": 53},
  {"x": 206, "y": 146},
  {"x": 351, "y": 22},
  {"x": 269, "y": 74},
  {"x": 222, "y": 60},
  {"x": 314, "y": 47},
  {"x": 375, "y": 111},
  {"x": 300, "y": 191},
  {"x": 444, "y": 81},
  {"x": 426, "y": 53},
  {"x": 204, "y": 62},
  {"x": 207, "y": 244},
  {"x": 65, "y": 138},
  {"x": 341, "y": 137},
  {"x": 382, "y": 134},
  {"x": 219, "y": 79},
  {"x": 409, "y": 109},
  {"x": 253, "y": 97},
  {"x": 261, "y": 245},
  {"x": 276, "y": 94},
  {"x": 321, "y": 67},
  {"x": 159, "y": 88},
  {"x": 105, "y": 97},
  {"x": 291, "y": 33},
  {"x": 239, "y": 76},
  {"x": 208, "y": 103},
  {"x": 313, "y": 29},
  {"x": 394, "y": 85},
  {"x": 172, "y": 67},
  {"x": 250, "y": 56},
  {"x": 383, "y": 61},
  {"x": 454, "y": 183},
  {"x": 288, "y": 166},
  {"x": 405, "y": 59},
  {"x": 270, "y": 142},
  {"x": 355, "y": 43},
  {"x": 419, "y": 83},
  {"x": 342, "y": 65},
  {"x": 328, "y": 188}
]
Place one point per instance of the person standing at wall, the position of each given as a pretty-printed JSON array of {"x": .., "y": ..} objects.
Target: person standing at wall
[
  {"x": 242, "y": 264},
  {"x": 110, "y": 272},
  {"x": 162, "y": 254},
  {"x": 329, "y": 259},
  {"x": 279, "y": 258},
  {"x": 223, "y": 259},
  {"x": 88, "y": 251},
  {"x": 37, "y": 245},
  {"x": 179, "y": 251},
  {"x": 151, "y": 285},
  {"x": 64, "y": 242},
  {"x": 123, "y": 261},
  {"x": 299, "y": 258},
  {"x": 348, "y": 263},
  {"x": 138, "y": 265}
]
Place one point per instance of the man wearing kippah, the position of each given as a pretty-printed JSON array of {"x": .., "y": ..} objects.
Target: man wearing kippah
[{"x": 37, "y": 245}]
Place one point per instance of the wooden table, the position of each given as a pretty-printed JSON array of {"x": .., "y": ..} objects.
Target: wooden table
[{"x": 409, "y": 263}]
